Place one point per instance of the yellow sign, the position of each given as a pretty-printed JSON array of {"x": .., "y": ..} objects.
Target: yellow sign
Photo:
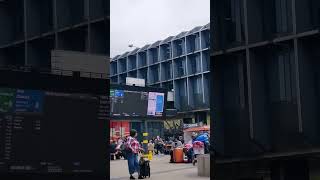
[
  {"x": 145, "y": 134},
  {"x": 145, "y": 141}
]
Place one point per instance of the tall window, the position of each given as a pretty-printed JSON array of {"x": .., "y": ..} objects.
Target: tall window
[
  {"x": 197, "y": 42},
  {"x": 282, "y": 72},
  {"x": 237, "y": 20},
  {"x": 283, "y": 16},
  {"x": 197, "y": 85},
  {"x": 180, "y": 67},
  {"x": 286, "y": 76},
  {"x": 168, "y": 70},
  {"x": 167, "y": 53},
  {"x": 193, "y": 65}
]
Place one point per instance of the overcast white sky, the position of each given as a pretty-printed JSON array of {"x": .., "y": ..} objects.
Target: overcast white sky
[{"x": 141, "y": 22}]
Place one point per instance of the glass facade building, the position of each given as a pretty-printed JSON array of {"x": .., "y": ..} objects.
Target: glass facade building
[{"x": 179, "y": 63}]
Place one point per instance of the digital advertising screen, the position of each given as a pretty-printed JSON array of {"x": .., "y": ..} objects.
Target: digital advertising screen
[
  {"x": 136, "y": 102},
  {"x": 155, "y": 104}
]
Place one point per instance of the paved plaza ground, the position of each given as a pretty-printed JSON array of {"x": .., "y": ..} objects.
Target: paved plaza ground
[{"x": 161, "y": 169}]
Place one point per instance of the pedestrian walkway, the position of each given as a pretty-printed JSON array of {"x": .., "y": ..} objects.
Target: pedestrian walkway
[{"x": 160, "y": 169}]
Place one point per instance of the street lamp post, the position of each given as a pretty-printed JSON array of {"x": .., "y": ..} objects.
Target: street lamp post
[{"x": 132, "y": 46}]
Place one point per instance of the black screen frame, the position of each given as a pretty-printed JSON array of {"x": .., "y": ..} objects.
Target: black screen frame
[
  {"x": 21, "y": 79},
  {"x": 141, "y": 89}
]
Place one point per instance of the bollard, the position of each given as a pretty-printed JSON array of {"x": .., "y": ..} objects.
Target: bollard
[
  {"x": 145, "y": 145},
  {"x": 203, "y": 165}
]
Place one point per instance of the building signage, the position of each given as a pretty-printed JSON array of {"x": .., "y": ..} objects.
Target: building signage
[{"x": 186, "y": 126}]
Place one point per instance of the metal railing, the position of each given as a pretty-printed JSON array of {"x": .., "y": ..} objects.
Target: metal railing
[{"x": 60, "y": 72}]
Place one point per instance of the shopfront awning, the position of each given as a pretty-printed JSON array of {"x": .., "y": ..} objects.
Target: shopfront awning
[{"x": 195, "y": 129}]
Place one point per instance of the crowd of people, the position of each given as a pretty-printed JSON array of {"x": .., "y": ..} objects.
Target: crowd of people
[
  {"x": 159, "y": 146},
  {"x": 155, "y": 146},
  {"x": 129, "y": 148}
]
